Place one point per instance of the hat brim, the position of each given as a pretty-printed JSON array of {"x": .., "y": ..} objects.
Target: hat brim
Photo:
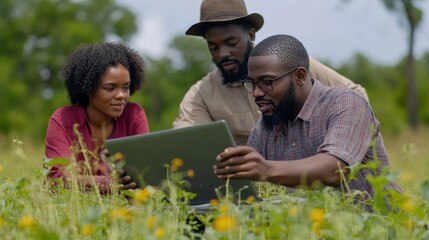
[{"x": 198, "y": 29}]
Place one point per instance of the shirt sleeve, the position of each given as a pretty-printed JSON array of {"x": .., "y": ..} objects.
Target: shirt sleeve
[
  {"x": 328, "y": 77},
  {"x": 350, "y": 129},
  {"x": 57, "y": 142},
  {"x": 140, "y": 124},
  {"x": 192, "y": 109}
]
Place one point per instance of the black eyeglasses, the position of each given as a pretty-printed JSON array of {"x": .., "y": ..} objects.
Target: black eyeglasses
[{"x": 264, "y": 85}]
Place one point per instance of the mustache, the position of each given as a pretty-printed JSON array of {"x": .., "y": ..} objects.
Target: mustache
[
  {"x": 229, "y": 60},
  {"x": 262, "y": 100}
]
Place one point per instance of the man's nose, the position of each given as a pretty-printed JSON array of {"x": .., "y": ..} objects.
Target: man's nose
[
  {"x": 224, "y": 52},
  {"x": 257, "y": 91}
]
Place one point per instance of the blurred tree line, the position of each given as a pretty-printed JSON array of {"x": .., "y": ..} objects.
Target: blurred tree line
[
  {"x": 412, "y": 15},
  {"x": 36, "y": 37}
]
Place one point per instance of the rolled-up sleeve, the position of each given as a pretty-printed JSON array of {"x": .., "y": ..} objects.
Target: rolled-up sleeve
[
  {"x": 350, "y": 129},
  {"x": 192, "y": 109}
]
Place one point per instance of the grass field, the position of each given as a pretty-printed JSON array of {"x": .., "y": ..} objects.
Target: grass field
[
  {"x": 409, "y": 154},
  {"x": 29, "y": 210}
]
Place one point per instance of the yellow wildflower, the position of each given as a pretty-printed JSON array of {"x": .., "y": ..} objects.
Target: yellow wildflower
[
  {"x": 1, "y": 222},
  {"x": 214, "y": 202},
  {"x": 142, "y": 195},
  {"x": 409, "y": 224},
  {"x": 316, "y": 228},
  {"x": 118, "y": 156},
  {"x": 224, "y": 208},
  {"x": 27, "y": 221},
  {"x": 1, "y": 169},
  {"x": 406, "y": 177},
  {"x": 150, "y": 222},
  {"x": 293, "y": 211},
  {"x": 176, "y": 163},
  {"x": 408, "y": 205},
  {"x": 250, "y": 199},
  {"x": 122, "y": 213},
  {"x": 159, "y": 233},
  {"x": 317, "y": 215},
  {"x": 87, "y": 229},
  {"x": 224, "y": 223},
  {"x": 190, "y": 173},
  {"x": 7, "y": 179}
]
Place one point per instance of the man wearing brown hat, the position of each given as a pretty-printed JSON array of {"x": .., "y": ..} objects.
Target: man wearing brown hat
[{"x": 230, "y": 31}]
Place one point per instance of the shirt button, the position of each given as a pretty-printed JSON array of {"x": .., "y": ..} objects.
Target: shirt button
[{"x": 293, "y": 144}]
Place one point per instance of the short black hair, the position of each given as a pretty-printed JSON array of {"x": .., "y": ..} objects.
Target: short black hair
[
  {"x": 87, "y": 63},
  {"x": 290, "y": 51}
]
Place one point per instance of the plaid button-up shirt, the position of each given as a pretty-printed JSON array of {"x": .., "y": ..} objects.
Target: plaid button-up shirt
[{"x": 334, "y": 121}]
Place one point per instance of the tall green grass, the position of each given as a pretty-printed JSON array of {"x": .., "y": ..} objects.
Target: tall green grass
[
  {"x": 29, "y": 209},
  {"x": 409, "y": 155}
]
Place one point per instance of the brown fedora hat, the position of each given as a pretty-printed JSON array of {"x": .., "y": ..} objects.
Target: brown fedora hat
[{"x": 223, "y": 11}]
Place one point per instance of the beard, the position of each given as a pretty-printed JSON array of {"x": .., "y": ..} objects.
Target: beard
[
  {"x": 233, "y": 77},
  {"x": 283, "y": 111}
]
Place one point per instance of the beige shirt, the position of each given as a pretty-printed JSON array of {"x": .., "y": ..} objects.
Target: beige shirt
[{"x": 209, "y": 100}]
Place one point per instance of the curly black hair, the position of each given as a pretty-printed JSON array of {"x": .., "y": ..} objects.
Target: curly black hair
[{"x": 87, "y": 63}]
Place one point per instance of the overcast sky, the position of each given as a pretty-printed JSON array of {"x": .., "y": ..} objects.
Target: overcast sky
[{"x": 331, "y": 30}]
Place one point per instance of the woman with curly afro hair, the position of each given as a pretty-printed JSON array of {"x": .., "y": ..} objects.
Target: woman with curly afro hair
[{"x": 99, "y": 79}]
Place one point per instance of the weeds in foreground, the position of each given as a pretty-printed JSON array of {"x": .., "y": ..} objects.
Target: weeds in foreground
[{"x": 29, "y": 209}]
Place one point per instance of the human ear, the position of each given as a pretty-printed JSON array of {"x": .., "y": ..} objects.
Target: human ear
[
  {"x": 252, "y": 34},
  {"x": 301, "y": 75}
]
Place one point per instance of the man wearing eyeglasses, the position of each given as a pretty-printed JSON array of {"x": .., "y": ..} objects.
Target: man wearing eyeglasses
[
  {"x": 308, "y": 132},
  {"x": 230, "y": 31}
]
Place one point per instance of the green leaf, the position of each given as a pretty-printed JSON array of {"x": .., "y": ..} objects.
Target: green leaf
[
  {"x": 393, "y": 176},
  {"x": 128, "y": 193},
  {"x": 425, "y": 190},
  {"x": 49, "y": 162}
]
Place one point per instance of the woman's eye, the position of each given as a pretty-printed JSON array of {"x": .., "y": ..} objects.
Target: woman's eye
[{"x": 109, "y": 89}]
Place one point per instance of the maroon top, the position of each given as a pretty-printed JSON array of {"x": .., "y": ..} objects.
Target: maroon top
[{"x": 60, "y": 136}]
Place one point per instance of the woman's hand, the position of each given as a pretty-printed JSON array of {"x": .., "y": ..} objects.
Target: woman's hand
[{"x": 125, "y": 181}]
